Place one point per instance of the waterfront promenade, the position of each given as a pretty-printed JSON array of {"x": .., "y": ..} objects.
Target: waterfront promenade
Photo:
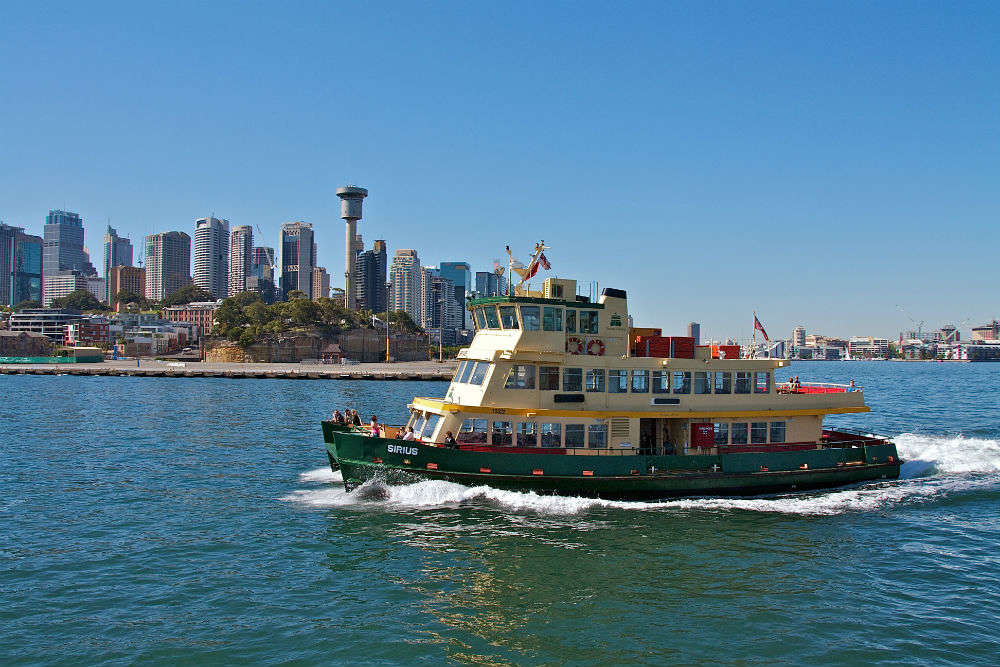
[{"x": 405, "y": 370}]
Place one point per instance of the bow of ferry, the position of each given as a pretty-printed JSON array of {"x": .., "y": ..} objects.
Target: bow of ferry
[{"x": 556, "y": 394}]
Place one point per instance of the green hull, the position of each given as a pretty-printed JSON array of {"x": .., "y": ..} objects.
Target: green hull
[{"x": 632, "y": 476}]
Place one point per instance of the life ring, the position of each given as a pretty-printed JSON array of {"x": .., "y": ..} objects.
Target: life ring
[
  {"x": 599, "y": 344},
  {"x": 574, "y": 345}
]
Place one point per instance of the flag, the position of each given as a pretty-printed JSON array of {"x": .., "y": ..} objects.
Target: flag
[
  {"x": 544, "y": 261},
  {"x": 760, "y": 327}
]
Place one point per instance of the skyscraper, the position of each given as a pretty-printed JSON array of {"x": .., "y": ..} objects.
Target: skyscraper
[
  {"x": 125, "y": 279},
  {"x": 240, "y": 258},
  {"x": 297, "y": 257},
  {"x": 371, "y": 269},
  {"x": 64, "y": 245},
  {"x": 320, "y": 283},
  {"x": 168, "y": 264},
  {"x": 211, "y": 256},
  {"x": 117, "y": 252},
  {"x": 405, "y": 284},
  {"x": 489, "y": 284},
  {"x": 263, "y": 262},
  {"x": 460, "y": 274},
  {"x": 441, "y": 315},
  {"x": 20, "y": 266},
  {"x": 694, "y": 331}
]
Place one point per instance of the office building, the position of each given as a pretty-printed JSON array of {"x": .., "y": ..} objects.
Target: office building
[
  {"x": 20, "y": 266},
  {"x": 98, "y": 287},
  {"x": 489, "y": 283},
  {"x": 201, "y": 313},
  {"x": 320, "y": 283},
  {"x": 211, "y": 256},
  {"x": 405, "y": 284},
  {"x": 372, "y": 268},
  {"x": 47, "y": 321},
  {"x": 125, "y": 279},
  {"x": 988, "y": 331},
  {"x": 262, "y": 263},
  {"x": 296, "y": 257},
  {"x": 460, "y": 275},
  {"x": 117, "y": 252},
  {"x": 168, "y": 264},
  {"x": 63, "y": 248},
  {"x": 240, "y": 258},
  {"x": 441, "y": 312},
  {"x": 798, "y": 337},
  {"x": 60, "y": 285},
  {"x": 694, "y": 331}
]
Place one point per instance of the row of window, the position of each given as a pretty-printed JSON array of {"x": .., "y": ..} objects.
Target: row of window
[
  {"x": 752, "y": 433},
  {"x": 537, "y": 318},
  {"x": 472, "y": 372},
  {"x": 532, "y": 434},
  {"x": 638, "y": 381}
]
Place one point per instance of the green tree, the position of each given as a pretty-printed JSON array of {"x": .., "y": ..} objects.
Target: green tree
[
  {"x": 126, "y": 297},
  {"x": 28, "y": 304},
  {"x": 297, "y": 294},
  {"x": 81, "y": 300},
  {"x": 400, "y": 320},
  {"x": 187, "y": 294}
]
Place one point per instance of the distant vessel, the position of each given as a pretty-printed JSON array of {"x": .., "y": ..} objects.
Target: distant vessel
[{"x": 556, "y": 394}]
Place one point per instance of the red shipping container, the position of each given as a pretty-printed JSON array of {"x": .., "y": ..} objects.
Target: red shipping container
[
  {"x": 729, "y": 351},
  {"x": 682, "y": 347}
]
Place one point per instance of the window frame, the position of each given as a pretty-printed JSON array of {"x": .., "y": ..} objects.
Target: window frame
[
  {"x": 550, "y": 429},
  {"x": 685, "y": 377},
  {"x": 530, "y": 314},
  {"x": 529, "y": 377},
  {"x": 739, "y": 433},
  {"x": 480, "y": 318},
  {"x": 485, "y": 366},
  {"x": 566, "y": 380},
  {"x": 596, "y": 428},
  {"x": 663, "y": 386},
  {"x": 618, "y": 380},
  {"x": 552, "y": 374},
  {"x": 726, "y": 378},
  {"x": 571, "y": 320},
  {"x": 706, "y": 377},
  {"x": 508, "y": 310},
  {"x": 552, "y": 318},
  {"x": 492, "y": 310},
  {"x": 774, "y": 429},
  {"x": 639, "y": 374},
  {"x": 600, "y": 374},
  {"x": 758, "y": 433},
  {"x": 743, "y": 383},
  {"x": 580, "y": 429}
]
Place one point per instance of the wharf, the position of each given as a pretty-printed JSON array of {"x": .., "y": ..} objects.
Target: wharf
[{"x": 406, "y": 370}]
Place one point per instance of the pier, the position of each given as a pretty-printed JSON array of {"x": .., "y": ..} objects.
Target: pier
[{"x": 412, "y": 370}]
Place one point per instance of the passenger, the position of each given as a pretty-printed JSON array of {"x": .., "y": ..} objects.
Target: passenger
[
  {"x": 337, "y": 417},
  {"x": 399, "y": 434},
  {"x": 449, "y": 440},
  {"x": 852, "y": 385},
  {"x": 409, "y": 434},
  {"x": 355, "y": 418},
  {"x": 376, "y": 429}
]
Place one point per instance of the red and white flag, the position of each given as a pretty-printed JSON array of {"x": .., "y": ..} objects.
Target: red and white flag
[
  {"x": 544, "y": 261},
  {"x": 760, "y": 327}
]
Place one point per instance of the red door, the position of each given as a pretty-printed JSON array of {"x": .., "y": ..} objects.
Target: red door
[{"x": 702, "y": 435}]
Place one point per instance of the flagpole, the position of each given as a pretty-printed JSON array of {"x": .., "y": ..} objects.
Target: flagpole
[{"x": 753, "y": 344}]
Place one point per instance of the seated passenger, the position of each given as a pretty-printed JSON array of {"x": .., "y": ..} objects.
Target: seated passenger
[
  {"x": 449, "y": 440},
  {"x": 409, "y": 435}
]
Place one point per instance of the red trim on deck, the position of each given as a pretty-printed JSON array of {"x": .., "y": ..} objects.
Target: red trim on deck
[{"x": 465, "y": 447}]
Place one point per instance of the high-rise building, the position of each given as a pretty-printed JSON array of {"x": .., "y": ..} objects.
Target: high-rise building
[
  {"x": 460, "y": 274},
  {"x": 61, "y": 284},
  {"x": 125, "y": 279},
  {"x": 441, "y": 315},
  {"x": 406, "y": 280},
  {"x": 799, "y": 337},
  {"x": 263, "y": 263},
  {"x": 489, "y": 284},
  {"x": 168, "y": 264},
  {"x": 64, "y": 249},
  {"x": 117, "y": 252},
  {"x": 694, "y": 331},
  {"x": 20, "y": 266},
  {"x": 211, "y": 256},
  {"x": 297, "y": 257},
  {"x": 240, "y": 258},
  {"x": 320, "y": 283},
  {"x": 98, "y": 287},
  {"x": 371, "y": 269}
]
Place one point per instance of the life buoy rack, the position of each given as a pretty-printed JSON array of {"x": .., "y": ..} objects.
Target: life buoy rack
[
  {"x": 574, "y": 345},
  {"x": 598, "y": 345}
]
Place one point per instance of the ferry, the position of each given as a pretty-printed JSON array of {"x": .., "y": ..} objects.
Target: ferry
[{"x": 558, "y": 394}]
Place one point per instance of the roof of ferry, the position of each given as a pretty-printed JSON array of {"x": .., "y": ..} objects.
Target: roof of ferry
[{"x": 531, "y": 299}]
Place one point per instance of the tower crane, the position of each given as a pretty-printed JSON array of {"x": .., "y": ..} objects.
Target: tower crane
[
  {"x": 919, "y": 325},
  {"x": 270, "y": 261}
]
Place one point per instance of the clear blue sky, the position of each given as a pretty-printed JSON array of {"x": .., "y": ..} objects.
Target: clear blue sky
[{"x": 820, "y": 162}]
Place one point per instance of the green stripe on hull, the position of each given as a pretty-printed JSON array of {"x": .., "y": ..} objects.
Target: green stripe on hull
[{"x": 612, "y": 476}]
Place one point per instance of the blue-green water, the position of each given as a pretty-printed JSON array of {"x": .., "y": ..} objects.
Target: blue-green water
[{"x": 191, "y": 521}]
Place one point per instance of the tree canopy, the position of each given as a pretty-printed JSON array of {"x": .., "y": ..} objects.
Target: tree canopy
[
  {"x": 28, "y": 304},
  {"x": 81, "y": 300},
  {"x": 187, "y": 294},
  {"x": 127, "y": 297}
]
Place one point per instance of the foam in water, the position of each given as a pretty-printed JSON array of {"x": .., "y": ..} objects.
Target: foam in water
[{"x": 935, "y": 466}]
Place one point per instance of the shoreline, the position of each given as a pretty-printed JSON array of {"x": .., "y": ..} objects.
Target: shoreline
[{"x": 404, "y": 370}]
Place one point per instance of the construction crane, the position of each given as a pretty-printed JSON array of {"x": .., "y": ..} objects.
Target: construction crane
[
  {"x": 270, "y": 261},
  {"x": 953, "y": 336},
  {"x": 919, "y": 325}
]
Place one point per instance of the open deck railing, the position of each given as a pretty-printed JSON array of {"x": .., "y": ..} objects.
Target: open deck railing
[{"x": 815, "y": 388}]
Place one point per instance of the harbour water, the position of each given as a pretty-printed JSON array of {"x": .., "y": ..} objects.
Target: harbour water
[{"x": 193, "y": 521}]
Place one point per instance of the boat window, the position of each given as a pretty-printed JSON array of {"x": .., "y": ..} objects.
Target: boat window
[
  {"x": 758, "y": 433},
  {"x": 458, "y": 373},
  {"x": 413, "y": 416},
  {"x": 762, "y": 383},
  {"x": 548, "y": 378},
  {"x": 682, "y": 382},
  {"x": 742, "y": 383},
  {"x": 777, "y": 431},
  {"x": 588, "y": 322},
  {"x": 723, "y": 383},
  {"x": 597, "y": 435},
  {"x": 527, "y": 436},
  {"x": 617, "y": 381},
  {"x": 508, "y": 317},
  {"x": 479, "y": 374},
  {"x": 575, "y": 434},
  {"x": 521, "y": 377},
  {"x": 721, "y": 433},
  {"x": 530, "y": 316},
  {"x": 501, "y": 434},
  {"x": 551, "y": 435},
  {"x": 552, "y": 318},
  {"x": 492, "y": 321},
  {"x": 570, "y": 321},
  {"x": 473, "y": 431},
  {"x": 572, "y": 379},
  {"x": 595, "y": 379},
  {"x": 480, "y": 318},
  {"x": 661, "y": 382},
  {"x": 418, "y": 426},
  {"x": 702, "y": 382},
  {"x": 640, "y": 381},
  {"x": 469, "y": 365},
  {"x": 430, "y": 426},
  {"x": 739, "y": 430}
]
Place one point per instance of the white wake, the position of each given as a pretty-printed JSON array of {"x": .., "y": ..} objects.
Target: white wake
[{"x": 935, "y": 466}]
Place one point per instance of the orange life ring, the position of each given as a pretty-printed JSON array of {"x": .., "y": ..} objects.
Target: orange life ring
[
  {"x": 599, "y": 344},
  {"x": 574, "y": 345}
]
